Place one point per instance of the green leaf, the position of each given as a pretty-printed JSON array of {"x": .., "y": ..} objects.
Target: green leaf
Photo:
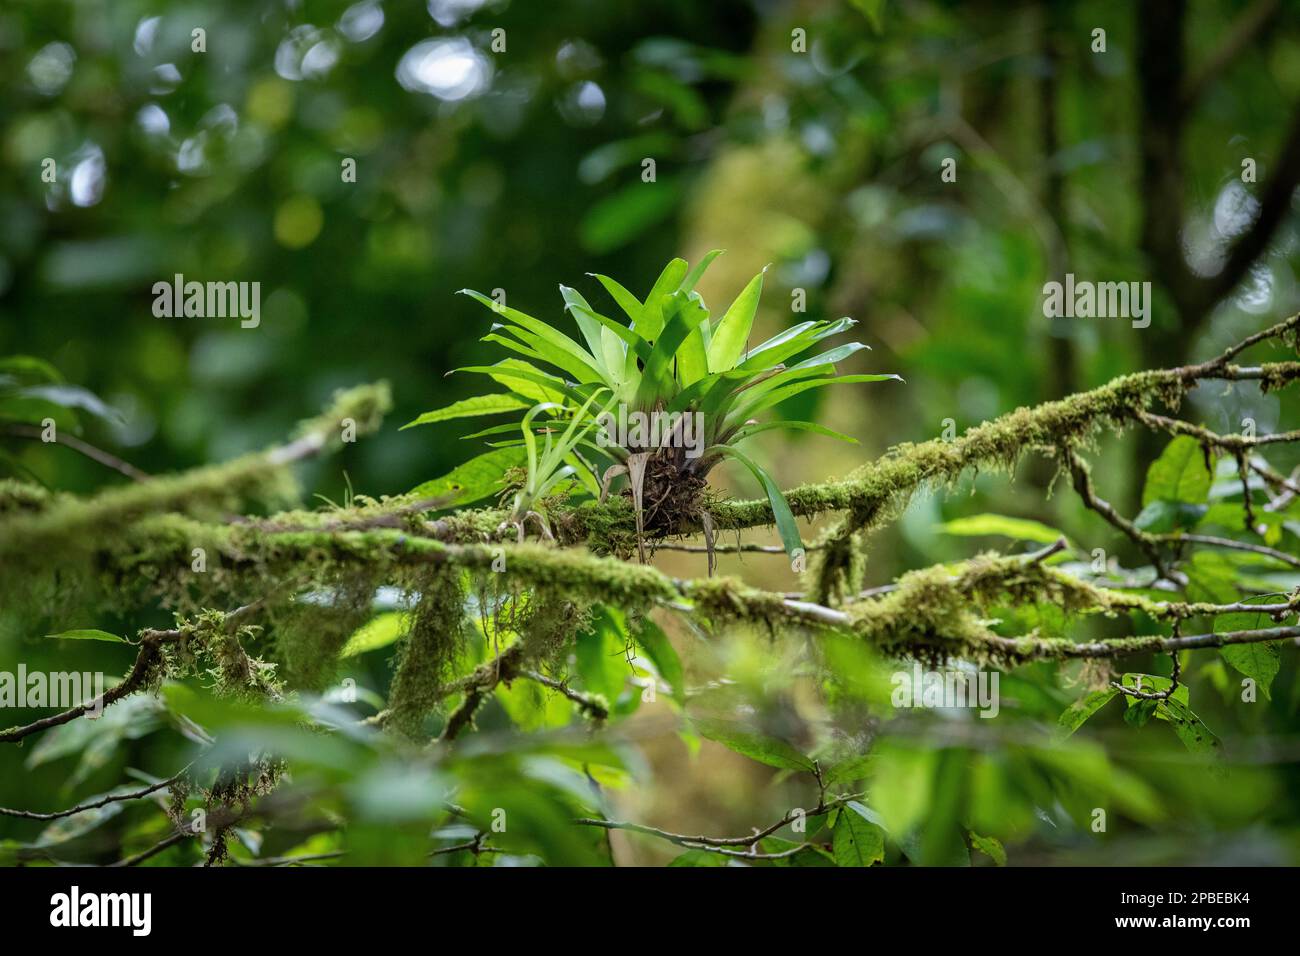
[
  {"x": 1077, "y": 713},
  {"x": 1152, "y": 684},
  {"x": 527, "y": 380},
  {"x": 857, "y": 840},
  {"x": 732, "y": 332},
  {"x": 990, "y": 847},
  {"x": 663, "y": 655},
  {"x": 697, "y": 273},
  {"x": 651, "y": 319},
  {"x": 475, "y": 479},
  {"x": 807, "y": 856},
  {"x": 380, "y": 631},
  {"x": 600, "y": 657},
  {"x": 606, "y": 348},
  {"x": 28, "y": 368},
  {"x": 72, "y": 397},
  {"x": 781, "y": 513},
  {"x": 470, "y": 407},
  {"x": 69, "y": 828},
  {"x": 1211, "y": 577},
  {"x": 747, "y": 431},
  {"x": 618, "y": 219},
  {"x": 1179, "y": 474},
  {"x": 556, "y": 342},
  {"x": 1161, "y": 517},
  {"x": 700, "y": 858},
  {"x": 89, "y": 634},
  {"x": 1191, "y": 730},
  {"x": 692, "y": 355},
  {"x": 684, "y": 315},
  {"x": 1261, "y": 661},
  {"x": 1139, "y": 711},
  {"x": 778, "y": 395},
  {"x": 854, "y": 768},
  {"x": 765, "y": 749},
  {"x": 1021, "y": 529},
  {"x": 794, "y": 340},
  {"x": 626, "y": 301}
]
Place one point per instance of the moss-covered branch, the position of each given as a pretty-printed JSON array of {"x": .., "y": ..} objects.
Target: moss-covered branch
[{"x": 60, "y": 526}]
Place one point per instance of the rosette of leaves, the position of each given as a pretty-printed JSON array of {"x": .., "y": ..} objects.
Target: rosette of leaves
[{"x": 668, "y": 355}]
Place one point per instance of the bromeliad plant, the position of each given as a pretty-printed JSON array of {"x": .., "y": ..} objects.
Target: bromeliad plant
[
  {"x": 670, "y": 358},
  {"x": 557, "y": 461}
]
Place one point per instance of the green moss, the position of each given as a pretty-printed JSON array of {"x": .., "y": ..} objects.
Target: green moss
[
  {"x": 22, "y": 497},
  {"x": 426, "y": 655},
  {"x": 935, "y": 614}
]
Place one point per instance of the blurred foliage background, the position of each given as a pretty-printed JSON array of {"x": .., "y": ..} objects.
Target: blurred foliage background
[{"x": 521, "y": 168}]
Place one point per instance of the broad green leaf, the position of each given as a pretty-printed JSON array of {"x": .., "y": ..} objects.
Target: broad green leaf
[
  {"x": 1152, "y": 684},
  {"x": 796, "y": 339},
  {"x": 626, "y": 301},
  {"x": 69, "y": 828},
  {"x": 663, "y": 655},
  {"x": 1212, "y": 578},
  {"x": 470, "y": 407},
  {"x": 380, "y": 631},
  {"x": 765, "y": 749},
  {"x": 808, "y": 856},
  {"x": 657, "y": 381},
  {"x": 623, "y": 216},
  {"x": 1021, "y": 529},
  {"x": 552, "y": 336},
  {"x": 732, "y": 331},
  {"x": 1179, "y": 474},
  {"x": 527, "y": 380},
  {"x": 532, "y": 707},
  {"x": 89, "y": 634},
  {"x": 1261, "y": 661},
  {"x": 601, "y": 657},
  {"x": 1077, "y": 713},
  {"x": 475, "y": 479},
  {"x": 606, "y": 347},
  {"x": 857, "y": 840},
  {"x": 692, "y": 355},
  {"x": 650, "y": 322},
  {"x": 854, "y": 768},
  {"x": 1191, "y": 730},
  {"x": 697, "y": 273},
  {"x": 1139, "y": 711},
  {"x": 532, "y": 348},
  {"x": 1161, "y": 517}
]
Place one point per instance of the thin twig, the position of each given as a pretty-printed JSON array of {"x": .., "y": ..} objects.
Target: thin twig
[
  {"x": 104, "y": 458},
  {"x": 95, "y": 804}
]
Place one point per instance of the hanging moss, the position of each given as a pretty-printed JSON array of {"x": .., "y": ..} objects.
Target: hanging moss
[
  {"x": 311, "y": 629},
  {"x": 425, "y": 657}
]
